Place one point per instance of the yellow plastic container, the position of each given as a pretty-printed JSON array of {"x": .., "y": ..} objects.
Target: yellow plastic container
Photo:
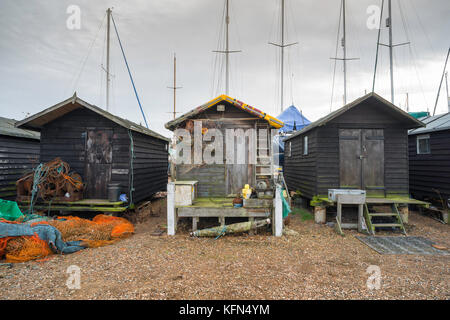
[{"x": 246, "y": 192}]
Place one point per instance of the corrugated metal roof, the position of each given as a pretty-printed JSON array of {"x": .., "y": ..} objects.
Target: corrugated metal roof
[
  {"x": 322, "y": 121},
  {"x": 7, "y": 128},
  {"x": 39, "y": 119},
  {"x": 433, "y": 123},
  {"x": 171, "y": 125}
]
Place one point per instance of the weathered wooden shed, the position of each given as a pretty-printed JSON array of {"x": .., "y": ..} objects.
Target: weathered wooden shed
[
  {"x": 429, "y": 159},
  {"x": 241, "y": 143},
  {"x": 223, "y": 179},
  {"x": 363, "y": 145},
  {"x": 19, "y": 152},
  {"x": 102, "y": 148}
]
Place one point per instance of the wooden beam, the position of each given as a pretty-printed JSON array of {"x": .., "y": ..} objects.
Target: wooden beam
[
  {"x": 221, "y": 212},
  {"x": 171, "y": 211}
]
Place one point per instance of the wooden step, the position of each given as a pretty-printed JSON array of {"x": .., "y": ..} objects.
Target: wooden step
[
  {"x": 386, "y": 225},
  {"x": 383, "y": 214}
]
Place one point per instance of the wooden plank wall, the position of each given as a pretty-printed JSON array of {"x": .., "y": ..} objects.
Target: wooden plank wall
[
  {"x": 66, "y": 138},
  {"x": 17, "y": 156},
  {"x": 150, "y": 166},
  {"x": 327, "y": 159},
  {"x": 396, "y": 165},
  {"x": 428, "y": 171},
  {"x": 211, "y": 178},
  {"x": 300, "y": 172}
]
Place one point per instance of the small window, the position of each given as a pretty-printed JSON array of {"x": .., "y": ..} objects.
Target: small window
[
  {"x": 305, "y": 145},
  {"x": 288, "y": 149},
  {"x": 423, "y": 144}
]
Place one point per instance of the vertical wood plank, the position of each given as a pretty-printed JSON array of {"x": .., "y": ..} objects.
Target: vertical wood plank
[
  {"x": 171, "y": 211},
  {"x": 278, "y": 214}
]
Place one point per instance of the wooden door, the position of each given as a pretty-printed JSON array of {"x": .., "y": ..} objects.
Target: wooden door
[
  {"x": 361, "y": 157},
  {"x": 240, "y": 172},
  {"x": 98, "y": 163},
  {"x": 373, "y": 161},
  {"x": 350, "y": 162}
]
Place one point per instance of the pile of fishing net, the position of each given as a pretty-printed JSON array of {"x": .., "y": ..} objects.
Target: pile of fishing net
[
  {"x": 20, "y": 242},
  {"x": 50, "y": 180},
  {"x": 102, "y": 230}
]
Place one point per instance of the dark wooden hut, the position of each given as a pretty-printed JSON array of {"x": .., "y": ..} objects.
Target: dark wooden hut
[
  {"x": 363, "y": 145},
  {"x": 19, "y": 152},
  {"x": 102, "y": 148},
  {"x": 429, "y": 159},
  {"x": 220, "y": 180}
]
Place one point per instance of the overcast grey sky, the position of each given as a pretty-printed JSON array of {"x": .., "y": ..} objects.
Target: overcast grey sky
[{"x": 40, "y": 58}]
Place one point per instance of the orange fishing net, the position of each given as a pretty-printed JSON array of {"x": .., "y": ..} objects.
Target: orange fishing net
[
  {"x": 21, "y": 249},
  {"x": 102, "y": 230}
]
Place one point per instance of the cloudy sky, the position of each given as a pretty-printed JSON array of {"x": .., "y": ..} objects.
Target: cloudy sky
[{"x": 42, "y": 61}]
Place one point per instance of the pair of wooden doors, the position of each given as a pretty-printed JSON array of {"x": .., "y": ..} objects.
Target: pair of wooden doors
[{"x": 361, "y": 157}]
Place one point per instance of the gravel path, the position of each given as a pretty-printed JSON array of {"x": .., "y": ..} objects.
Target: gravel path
[{"x": 316, "y": 264}]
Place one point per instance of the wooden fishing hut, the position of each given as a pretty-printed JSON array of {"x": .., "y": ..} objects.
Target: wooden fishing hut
[
  {"x": 219, "y": 182},
  {"x": 363, "y": 145},
  {"x": 105, "y": 150}
]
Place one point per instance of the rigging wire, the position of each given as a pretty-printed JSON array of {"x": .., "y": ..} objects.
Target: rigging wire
[
  {"x": 129, "y": 72},
  {"x": 75, "y": 80},
  {"x": 412, "y": 52},
  {"x": 219, "y": 63},
  {"x": 378, "y": 47},
  {"x": 335, "y": 60},
  {"x": 422, "y": 27},
  {"x": 101, "y": 71},
  {"x": 237, "y": 74},
  {"x": 354, "y": 31}
]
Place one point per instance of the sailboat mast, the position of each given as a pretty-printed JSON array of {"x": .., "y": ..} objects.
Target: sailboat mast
[
  {"x": 282, "y": 45},
  {"x": 391, "y": 49},
  {"x": 440, "y": 84},
  {"x": 344, "y": 46},
  {"x": 227, "y": 49},
  {"x": 108, "y": 78},
  {"x": 282, "y": 56},
  {"x": 174, "y": 86}
]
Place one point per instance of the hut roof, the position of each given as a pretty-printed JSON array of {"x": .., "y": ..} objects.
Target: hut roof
[
  {"x": 410, "y": 120},
  {"x": 7, "y": 128},
  {"x": 37, "y": 121},
  {"x": 433, "y": 123},
  {"x": 171, "y": 125}
]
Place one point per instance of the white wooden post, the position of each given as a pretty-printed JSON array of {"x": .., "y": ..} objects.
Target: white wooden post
[
  {"x": 171, "y": 211},
  {"x": 278, "y": 216}
]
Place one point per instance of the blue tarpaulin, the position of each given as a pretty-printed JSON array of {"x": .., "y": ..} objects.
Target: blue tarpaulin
[
  {"x": 44, "y": 232},
  {"x": 293, "y": 120}
]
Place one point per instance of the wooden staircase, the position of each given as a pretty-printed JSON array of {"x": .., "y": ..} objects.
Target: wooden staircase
[{"x": 395, "y": 217}]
